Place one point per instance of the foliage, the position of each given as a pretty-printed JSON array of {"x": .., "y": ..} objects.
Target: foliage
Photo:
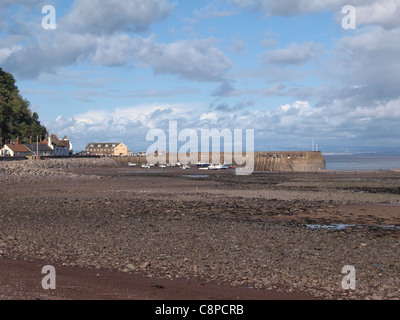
[{"x": 16, "y": 119}]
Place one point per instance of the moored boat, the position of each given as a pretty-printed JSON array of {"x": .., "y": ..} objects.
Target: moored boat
[{"x": 203, "y": 165}]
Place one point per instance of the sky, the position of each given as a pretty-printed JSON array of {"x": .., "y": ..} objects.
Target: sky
[{"x": 290, "y": 70}]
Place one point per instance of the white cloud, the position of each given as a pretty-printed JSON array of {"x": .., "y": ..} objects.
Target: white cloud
[
  {"x": 208, "y": 116},
  {"x": 99, "y": 16}
]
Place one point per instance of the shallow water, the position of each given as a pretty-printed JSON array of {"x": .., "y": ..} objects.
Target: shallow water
[
  {"x": 197, "y": 176},
  {"x": 357, "y": 163},
  {"x": 346, "y": 226}
]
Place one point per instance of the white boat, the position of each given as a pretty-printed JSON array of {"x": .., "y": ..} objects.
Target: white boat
[
  {"x": 203, "y": 164},
  {"x": 218, "y": 166}
]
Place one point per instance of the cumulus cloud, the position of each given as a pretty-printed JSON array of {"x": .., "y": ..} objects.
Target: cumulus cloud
[
  {"x": 99, "y": 17},
  {"x": 287, "y": 124},
  {"x": 197, "y": 60},
  {"x": 129, "y": 124}
]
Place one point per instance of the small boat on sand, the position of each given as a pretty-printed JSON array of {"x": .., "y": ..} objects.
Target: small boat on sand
[
  {"x": 218, "y": 167},
  {"x": 203, "y": 165}
]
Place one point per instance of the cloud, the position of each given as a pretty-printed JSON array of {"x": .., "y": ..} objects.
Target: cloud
[
  {"x": 385, "y": 13},
  {"x": 288, "y": 7},
  {"x": 107, "y": 17},
  {"x": 213, "y": 10},
  {"x": 102, "y": 39},
  {"x": 198, "y": 60},
  {"x": 225, "y": 89},
  {"x": 128, "y": 124},
  {"x": 364, "y": 70},
  {"x": 294, "y": 54},
  {"x": 284, "y": 126},
  {"x": 377, "y": 12},
  {"x": 224, "y": 107}
]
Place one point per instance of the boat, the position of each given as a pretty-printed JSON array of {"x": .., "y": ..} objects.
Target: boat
[
  {"x": 215, "y": 167},
  {"x": 218, "y": 166},
  {"x": 203, "y": 165}
]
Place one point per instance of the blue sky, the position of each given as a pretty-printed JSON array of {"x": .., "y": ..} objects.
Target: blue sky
[{"x": 113, "y": 70}]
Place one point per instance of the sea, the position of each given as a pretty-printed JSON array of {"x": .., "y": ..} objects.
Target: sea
[{"x": 361, "y": 162}]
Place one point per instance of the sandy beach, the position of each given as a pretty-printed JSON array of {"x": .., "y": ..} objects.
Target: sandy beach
[{"x": 115, "y": 232}]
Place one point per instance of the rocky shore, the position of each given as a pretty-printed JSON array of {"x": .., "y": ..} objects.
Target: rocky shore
[
  {"x": 265, "y": 231},
  {"x": 52, "y": 167}
]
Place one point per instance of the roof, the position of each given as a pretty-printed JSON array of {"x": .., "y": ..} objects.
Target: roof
[
  {"x": 18, "y": 148},
  {"x": 56, "y": 142},
  {"x": 41, "y": 147},
  {"x": 65, "y": 143}
]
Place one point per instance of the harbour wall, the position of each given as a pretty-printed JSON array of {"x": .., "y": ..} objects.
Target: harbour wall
[{"x": 290, "y": 161}]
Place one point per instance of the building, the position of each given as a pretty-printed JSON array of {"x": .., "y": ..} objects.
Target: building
[
  {"x": 111, "y": 149},
  {"x": 15, "y": 150},
  {"x": 61, "y": 148},
  {"x": 40, "y": 149},
  {"x": 142, "y": 154}
]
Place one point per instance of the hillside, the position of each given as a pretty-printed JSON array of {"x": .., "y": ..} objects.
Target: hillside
[{"x": 16, "y": 119}]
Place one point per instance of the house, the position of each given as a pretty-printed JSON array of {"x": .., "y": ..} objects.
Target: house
[
  {"x": 15, "y": 150},
  {"x": 61, "y": 148},
  {"x": 142, "y": 154},
  {"x": 115, "y": 149},
  {"x": 40, "y": 149}
]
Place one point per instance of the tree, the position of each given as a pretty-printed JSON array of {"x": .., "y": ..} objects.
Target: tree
[{"x": 16, "y": 118}]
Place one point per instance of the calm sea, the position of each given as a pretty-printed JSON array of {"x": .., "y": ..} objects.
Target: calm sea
[{"x": 362, "y": 162}]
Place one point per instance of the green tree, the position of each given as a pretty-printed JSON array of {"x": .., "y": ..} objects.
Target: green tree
[{"x": 16, "y": 118}]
